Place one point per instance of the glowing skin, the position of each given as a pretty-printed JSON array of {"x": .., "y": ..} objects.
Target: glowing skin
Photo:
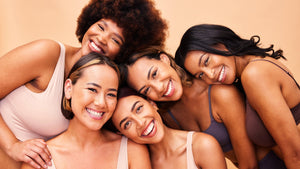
[
  {"x": 138, "y": 120},
  {"x": 103, "y": 37},
  {"x": 155, "y": 79},
  {"x": 93, "y": 96},
  {"x": 212, "y": 68}
]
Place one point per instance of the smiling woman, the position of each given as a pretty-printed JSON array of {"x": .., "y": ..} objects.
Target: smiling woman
[
  {"x": 153, "y": 73},
  {"x": 139, "y": 120},
  {"x": 30, "y": 100},
  {"x": 90, "y": 98},
  {"x": 217, "y": 55}
]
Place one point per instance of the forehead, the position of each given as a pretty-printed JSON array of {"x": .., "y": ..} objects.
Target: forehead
[
  {"x": 112, "y": 25},
  {"x": 123, "y": 108},
  {"x": 101, "y": 73},
  {"x": 138, "y": 72}
]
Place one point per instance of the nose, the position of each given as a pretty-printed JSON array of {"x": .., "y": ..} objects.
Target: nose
[
  {"x": 139, "y": 121},
  {"x": 102, "y": 38},
  {"x": 100, "y": 101},
  {"x": 209, "y": 73},
  {"x": 158, "y": 87}
]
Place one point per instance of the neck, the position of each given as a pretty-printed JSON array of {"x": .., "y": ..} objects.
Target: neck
[
  {"x": 83, "y": 137},
  {"x": 167, "y": 145},
  {"x": 241, "y": 62}
]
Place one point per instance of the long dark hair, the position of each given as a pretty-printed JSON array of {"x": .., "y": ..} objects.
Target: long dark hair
[{"x": 206, "y": 37}]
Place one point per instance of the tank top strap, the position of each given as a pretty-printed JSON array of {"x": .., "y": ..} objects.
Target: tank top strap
[
  {"x": 189, "y": 151},
  {"x": 287, "y": 72},
  {"x": 173, "y": 117},
  {"x": 123, "y": 159}
]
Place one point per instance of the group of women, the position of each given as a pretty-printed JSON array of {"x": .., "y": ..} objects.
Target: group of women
[{"x": 221, "y": 96}]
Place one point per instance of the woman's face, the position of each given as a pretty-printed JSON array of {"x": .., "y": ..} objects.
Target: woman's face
[
  {"x": 212, "y": 68},
  {"x": 103, "y": 37},
  {"x": 138, "y": 120},
  {"x": 155, "y": 79},
  {"x": 93, "y": 96}
]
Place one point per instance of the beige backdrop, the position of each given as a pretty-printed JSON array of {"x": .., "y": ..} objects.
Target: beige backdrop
[{"x": 276, "y": 21}]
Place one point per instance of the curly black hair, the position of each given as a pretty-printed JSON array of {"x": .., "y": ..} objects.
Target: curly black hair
[{"x": 141, "y": 22}]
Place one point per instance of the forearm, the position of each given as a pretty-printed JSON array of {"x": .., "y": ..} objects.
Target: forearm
[{"x": 6, "y": 135}]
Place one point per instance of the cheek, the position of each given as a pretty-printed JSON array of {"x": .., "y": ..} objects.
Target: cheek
[{"x": 112, "y": 104}]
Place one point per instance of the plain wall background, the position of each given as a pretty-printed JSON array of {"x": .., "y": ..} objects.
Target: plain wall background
[{"x": 275, "y": 21}]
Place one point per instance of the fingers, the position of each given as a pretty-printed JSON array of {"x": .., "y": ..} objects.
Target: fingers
[
  {"x": 31, "y": 162},
  {"x": 43, "y": 151},
  {"x": 33, "y": 152},
  {"x": 38, "y": 153}
]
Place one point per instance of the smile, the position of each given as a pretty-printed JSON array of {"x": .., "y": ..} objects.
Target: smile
[
  {"x": 170, "y": 90},
  {"x": 95, "y": 47},
  {"x": 149, "y": 129},
  {"x": 95, "y": 114},
  {"x": 222, "y": 75}
]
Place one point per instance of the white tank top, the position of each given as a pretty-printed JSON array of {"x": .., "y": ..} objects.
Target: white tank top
[
  {"x": 189, "y": 152},
  {"x": 32, "y": 115}
]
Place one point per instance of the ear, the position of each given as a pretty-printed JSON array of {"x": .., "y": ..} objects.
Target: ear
[
  {"x": 68, "y": 88},
  {"x": 164, "y": 58},
  {"x": 153, "y": 104}
]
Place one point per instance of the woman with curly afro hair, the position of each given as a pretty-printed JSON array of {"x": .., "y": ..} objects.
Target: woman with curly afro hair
[{"x": 32, "y": 75}]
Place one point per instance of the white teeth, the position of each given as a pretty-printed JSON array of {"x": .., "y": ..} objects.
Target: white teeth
[
  {"x": 221, "y": 74},
  {"x": 95, "y": 46},
  {"x": 169, "y": 89},
  {"x": 94, "y": 113},
  {"x": 149, "y": 129}
]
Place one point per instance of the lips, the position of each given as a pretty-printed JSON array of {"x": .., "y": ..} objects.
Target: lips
[
  {"x": 150, "y": 130},
  {"x": 170, "y": 89},
  {"x": 96, "y": 115},
  {"x": 96, "y": 48},
  {"x": 222, "y": 75}
]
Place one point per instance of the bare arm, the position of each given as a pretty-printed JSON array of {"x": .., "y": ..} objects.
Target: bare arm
[
  {"x": 138, "y": 156},
  {"x": 16, "y": 69},
  {"x": 264, "y": 93},
  {"x": 230, "y": 106},
  {"x": 207, "y": 152}
]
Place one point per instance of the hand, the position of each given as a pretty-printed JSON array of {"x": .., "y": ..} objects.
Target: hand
[{"x": 33, "y": 152}]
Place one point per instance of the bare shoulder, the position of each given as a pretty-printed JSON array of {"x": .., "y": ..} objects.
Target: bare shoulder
[
  {"x": 204, "y": 142},
  {"x": 224, "y": 95},
  {"x": 260, "y": 72},
  {"x": 224, "y": 91},
  {"x": 135, "y": 147}
]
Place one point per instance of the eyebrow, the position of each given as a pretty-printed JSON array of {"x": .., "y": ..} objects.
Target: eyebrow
[
  {"x": 148, "y": 77},
  {"x": 122, "y": 121},
  {"x": 96, "y": 85},
  {"x": 132, "y": 108},
  {"x": 201, "y": 59},
  {"x": 120, "y": 37}
]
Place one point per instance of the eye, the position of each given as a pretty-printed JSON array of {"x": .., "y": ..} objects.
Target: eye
[
  {"x": 127, "y": 125},
  {"x": 154, "y": 74},
  {"x": 101, "y": 27},
  {"x": 92, "y": 90},
  {"x": 112, "y": 95},
  {"x": 116, "y": 41},
  {"x": 139, "y": 109},
  {"x": 206, "y": 61},
  {"x": 200, "y": 75},
  {"x": 146, "y": 91}
]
